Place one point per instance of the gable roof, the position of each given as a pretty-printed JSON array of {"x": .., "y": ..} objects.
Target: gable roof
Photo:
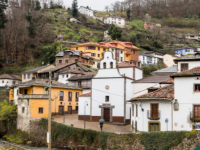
[
  {"x": 187, "y": 73},
  {"x": 43, "y": 82},
  {"x": 85, "y": 95},
  {"x": 172, "y": 69},
  {"x": 153, "y": 79},
  {"x": 9, "y": 76},
  {"x": 164, "y": 93},
  {"x": 124, "y": 44},
  {"x": 35, "y": 69}
]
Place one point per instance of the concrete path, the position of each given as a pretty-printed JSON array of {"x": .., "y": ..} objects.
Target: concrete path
[{"x": 73, "y": 119}]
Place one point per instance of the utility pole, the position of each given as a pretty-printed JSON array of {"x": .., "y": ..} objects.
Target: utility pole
[{"x": 49, "y": 119}]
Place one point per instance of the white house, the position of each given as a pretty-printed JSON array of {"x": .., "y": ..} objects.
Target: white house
[
  {"x": 147, "y": 59},
  {"x": 8, "y": 80},
  {"x": 86, "y": 11},
  {"x": 153, "y": 111},
  {"x": 116, "y": 20},
  {"x": 109, "y": 92},
  {"x": 186, "y": 95},
  {"x": 169, "y": 60}
]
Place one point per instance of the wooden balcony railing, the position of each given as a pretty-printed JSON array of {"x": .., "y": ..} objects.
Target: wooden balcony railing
[
  {"x": 34, "y": 96},
  {"x": 134, "y": 57},
  {"x": 128, "y": 51},
  {"x": 153, "y": 116}
]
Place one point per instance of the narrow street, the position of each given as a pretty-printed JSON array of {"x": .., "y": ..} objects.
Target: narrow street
[{"x": 73, "y": 119}]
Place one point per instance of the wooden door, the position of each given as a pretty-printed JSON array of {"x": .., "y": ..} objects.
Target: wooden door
[
  {"x": 61, "y": 109},
  {"x": 154, "y": 110},
  {"x": 154, "y": 127},
  {"x": 197, "y": 112},
  {"x": 69, "y": 109},
  {"x": 107, "y": 114}
]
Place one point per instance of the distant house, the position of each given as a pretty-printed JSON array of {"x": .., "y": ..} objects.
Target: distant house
[
  {"x": 184, "y": 51},
  {"x": 192, "y": 36},
  {"x": 147, "y": 59},
  {"x": 86, "y": 11},
  {"x": 116, "y": 20},
  {"x": 169, "y": 60},
  {"x": 151, "y": 26},
  {"x": 8, "y": 80},
  {"x": 159, "y": 56},
  {"x": 166, "y": 71}
]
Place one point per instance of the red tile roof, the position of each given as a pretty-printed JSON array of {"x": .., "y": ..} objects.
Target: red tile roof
[
  {"x": 168, "y": 81},
  {"x": 166, "y": 92},
  {"x": 192, "y": 72},
  {"x": 85, "y": 95},
  {"x": 126, "y": 44},
  {"x": 125, "y": 65},
  {"x": 153, "y": 79}
]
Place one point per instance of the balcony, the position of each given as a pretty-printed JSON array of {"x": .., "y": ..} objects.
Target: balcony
[
  {"x": 195, "y": 115},
  {"x": 34, "y": 96},
  {"x": 128, "y": 51},
  {"x": 153, "y": 116},
  {"x": 134, "y": 57}
]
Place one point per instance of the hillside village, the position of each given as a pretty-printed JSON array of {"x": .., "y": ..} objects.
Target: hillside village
[{"x": 104, "y": 72}]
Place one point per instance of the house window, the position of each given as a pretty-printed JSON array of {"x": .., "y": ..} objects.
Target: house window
[
  {"x": 187, "y": 50},
  {"x": 197, "y": 87},
  {"x": 2, "y": 81},
  {"x": 93, "y": 54},
  {"x": 24, "y": 76},
  {"x": 40, "y": 110},
  {"x": 111, "y": 64},
  {"x": 121, "y": 59},
  {"x": 197, "y": 112},
  {"x": 23, "y": 109},
  {"x": 76, "y": 108},
  {"x": 104, "y": 65},
  {"x": 90, "y": 48},
  {"x": 126, "y": 55},
  {"x": 76, "y": 60},
  {"x": 76, "y": 48},
  {"x": 132, "y": 109},
  {"x": 184, "y": 67},
  {"x": 104, "y": 49},
  {"x": 121, "y": 52},
  {"x": 67, "y": 75},
  {"x": 66, "y": 61},
  {"x": 61, "y": 95},
  {"x": 46, "y": 91},
  {"x": 83, "y": 61},
  {"x": 107, "y": 99},
  {"x": 79, "y": 83},
  {"x": 98, "y": 55},
  {"x": 77, "y": 94},
  {"x": 60, "y": 61},
  {"x": 66, "y": 53},
  {"x": 136, "y": 110},
  {"x": 154, "y": 111},
  {"x": 98, "y": 48},
  {"x": 70, "y": 96}
]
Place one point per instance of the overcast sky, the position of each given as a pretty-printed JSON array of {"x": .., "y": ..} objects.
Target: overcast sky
[{"x": 94, "y": 4}]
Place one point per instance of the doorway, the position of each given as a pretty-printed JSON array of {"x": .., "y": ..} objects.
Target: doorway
[
  {"x": 25, "y": 91},
  {"x": 154, "y": 126},
  {"x": 61, "y": 109},
  {"x": 107, "y": 114},
  {"x": 69, "y": 109}
]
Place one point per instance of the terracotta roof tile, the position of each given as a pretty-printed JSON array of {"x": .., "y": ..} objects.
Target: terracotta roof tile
[
  {"x": 168, "y": 81},
  {"x": 85, "y": 95},
  {"x": 166, "y": 92},
  {"x": 125, "y": 65},
  {"x": 9, "y": 76},
  {"x": 125, "y": 44},
  {"x": 192, "y": 72},
  {"x": 153, "y": 79}
]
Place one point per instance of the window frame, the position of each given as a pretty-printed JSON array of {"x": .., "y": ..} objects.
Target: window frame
[
  {"x": 77, "y": 94},
  {"x": 62, "y": 99},
  {"x": 107, "y": 99},
  {"x": 194, "y": 89},
  {"x": 93, "y": 54},
  {"x": 90, "y": 47},
  {"x": 104, "y": 65},
  {"x": 24, "y": 76},
  {"x": 23, "y": 109},
  {"x": 41, "y": 109},
  {"x": 184, "y": 66},
  {"x": 111, "y": 65},
  {"x": 60, "y": 61},
  {"x": 69, "y": 98}
]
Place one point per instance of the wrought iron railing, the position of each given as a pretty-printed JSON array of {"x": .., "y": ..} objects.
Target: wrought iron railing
[{"x": 153, "y": 116}]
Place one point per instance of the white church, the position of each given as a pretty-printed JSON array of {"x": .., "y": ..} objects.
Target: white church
[{"x": 109, "y": 94}]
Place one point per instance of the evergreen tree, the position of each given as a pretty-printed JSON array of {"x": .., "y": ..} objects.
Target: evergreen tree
[
  {"x": 75, "y": 8},
  {"x": 37, "y": 6},
  {"x": 31, "y": 28},
  {"x": 128, "y": 13},
  {"x": 115, "y": 32},
  {"x": 3, "y": 18}
]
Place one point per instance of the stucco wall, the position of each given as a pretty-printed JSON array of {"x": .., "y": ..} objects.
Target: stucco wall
[
  {"x": 138, "y": 74},
  {"x": 82, "y": 102},
  {"x": 127, "y": 71},
  {"x": 169, "y": 60}
]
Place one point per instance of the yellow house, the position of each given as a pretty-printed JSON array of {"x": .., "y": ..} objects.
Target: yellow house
[
  {"x": 33, "y": 73},
  {"x": 92, "y": 49},
  {"x": 33, "y": 98}
]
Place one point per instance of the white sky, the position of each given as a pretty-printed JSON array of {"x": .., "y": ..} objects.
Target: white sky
[{"x": 94, "y": 4}]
